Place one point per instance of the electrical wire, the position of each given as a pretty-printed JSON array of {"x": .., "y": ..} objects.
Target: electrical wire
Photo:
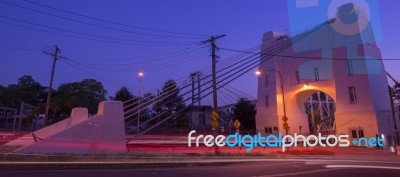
[
  {"x": 111, "y": 22},
  {"x": 78, "y": 37},
  {"x": 101, "y": 36},
  {"x": 126, "y": 67},
  {"x": 237, "y": 72},
  {"x": 96, "y": 25},
  {"x": 306, "y": 57}
]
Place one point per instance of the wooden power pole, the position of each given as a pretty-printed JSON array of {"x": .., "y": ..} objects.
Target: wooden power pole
[
  {"x": 55, "y": 57},
  {"x": 214, "y": 69},
  {"x": 214, "y": 115}
]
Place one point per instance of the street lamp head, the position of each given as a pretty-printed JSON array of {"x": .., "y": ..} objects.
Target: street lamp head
[
  {"x": 140, "y": 74},
  {"x": 258, "y": 72}
]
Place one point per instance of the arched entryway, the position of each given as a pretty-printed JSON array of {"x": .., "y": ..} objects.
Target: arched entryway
[
  {"x": 320, "y": 110},
  {"x": 322, "y": 117}
]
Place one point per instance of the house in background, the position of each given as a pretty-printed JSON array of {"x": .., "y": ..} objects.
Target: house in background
[{"x": 199, "y": 118}]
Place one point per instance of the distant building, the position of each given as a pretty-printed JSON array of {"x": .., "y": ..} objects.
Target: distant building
[
  {"x": 199, "y": 117},
  {"x": 12, "y": 118}
]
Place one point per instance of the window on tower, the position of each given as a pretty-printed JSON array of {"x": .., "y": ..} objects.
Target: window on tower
[
  {"x": 298, "y": 77},
  {"x": 316, "y": 74},
  {"x": 352, "y": 95},
  {"x": 349, "y": 67}
]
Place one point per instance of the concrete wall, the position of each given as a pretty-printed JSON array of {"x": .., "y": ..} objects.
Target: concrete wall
[{"x": 80, "y": 134}]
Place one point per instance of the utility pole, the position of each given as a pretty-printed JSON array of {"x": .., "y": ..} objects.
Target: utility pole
[
  {"x": 393, "y": 116},
  {"x": 138, "y": 119},
  {"x": 198, "y": 88},
  {"x": 393, "y": 92},
  {"x": 195, "y": 77},
  {"x": 214, "y": 115},
  {"x": 55, "y": 57},
  {"x": 214, "y": 69}
]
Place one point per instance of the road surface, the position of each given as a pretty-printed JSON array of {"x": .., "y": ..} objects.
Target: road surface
[{"x": 273, "y": 168}]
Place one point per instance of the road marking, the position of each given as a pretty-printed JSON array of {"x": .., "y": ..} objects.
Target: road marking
[
  {"x": 324, "y": 161},
  {"x": 157, "y": 169},
  {"x": 298, "y": 173},
  {"x": 362, "y": 166},
  {"x": 201, "y": 161}
]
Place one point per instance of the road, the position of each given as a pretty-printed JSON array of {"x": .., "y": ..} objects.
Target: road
[{"x": 273, "y": 168}]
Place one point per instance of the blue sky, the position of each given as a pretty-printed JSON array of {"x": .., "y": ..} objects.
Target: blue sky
[{"x": 116, "y": 65}]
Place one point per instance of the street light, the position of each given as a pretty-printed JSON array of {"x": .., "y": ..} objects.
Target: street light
[
  {"x": 140, "y": 74},
  {"x": 258, "y": 73}
]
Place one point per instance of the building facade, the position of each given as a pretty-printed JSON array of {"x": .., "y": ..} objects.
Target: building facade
[{"x": 347, "y": 68}]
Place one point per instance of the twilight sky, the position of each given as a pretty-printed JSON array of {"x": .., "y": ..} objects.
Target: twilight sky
[{"x": 113, "y": 57}]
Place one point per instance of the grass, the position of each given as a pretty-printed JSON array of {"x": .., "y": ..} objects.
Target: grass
[
  {"x": 227, "y": 153},
  {"x": 8, "y": 149},
  {"x": 7, "y": 155},
  {"x": 86, "y": 157},
  {"x": 313, "y": 151}
]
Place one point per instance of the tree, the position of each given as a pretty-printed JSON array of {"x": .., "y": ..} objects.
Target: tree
[
  {"x": 245, "y": 112},
  {"x": 147, "y": 99},
  {"x": 87, "y": 93},
  {"x": 26, "y": 90},
  {"x": 170, "y": 105},
  {"x": 2, "y": 96},
  {"x": 131, "y": 102},
  {"x": 123, "y": 94}
]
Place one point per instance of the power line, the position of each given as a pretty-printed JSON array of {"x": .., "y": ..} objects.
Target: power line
[
  {"x": 156, "y": 57},
  {"x": 98, "y": 36},
  {"x": 111, "y": 22},
  {"x": 68, "y": 62},
  {"x": 96, "y": 25},
  {"x": 228, "y": 97},
  {"x": 214, "y": 68},
  {"x": 237, "y": 90},
  {"x": 277, "y": 49},
  {"x": 55, "y": 56},
  {"x": 21, "y": 45},
  {"x": 244, "y": 69},
  {"x": 281, "y": 47},
  {"x": 79, "y": 37},
  {"x": 100, "y": 77},
  {"x": 19, "y": 49},
  {"x": 130, "y": 68},
  {"x": 97, "y": 63},
  {"x": 208, "y": 82},
  {"x": 304, "y": 57},
  {"x": 133, "y": 111},
  {"x": 186, "y": 86}
]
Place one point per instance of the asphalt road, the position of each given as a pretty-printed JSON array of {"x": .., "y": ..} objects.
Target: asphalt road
[{"x": 297, "y": 168}]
